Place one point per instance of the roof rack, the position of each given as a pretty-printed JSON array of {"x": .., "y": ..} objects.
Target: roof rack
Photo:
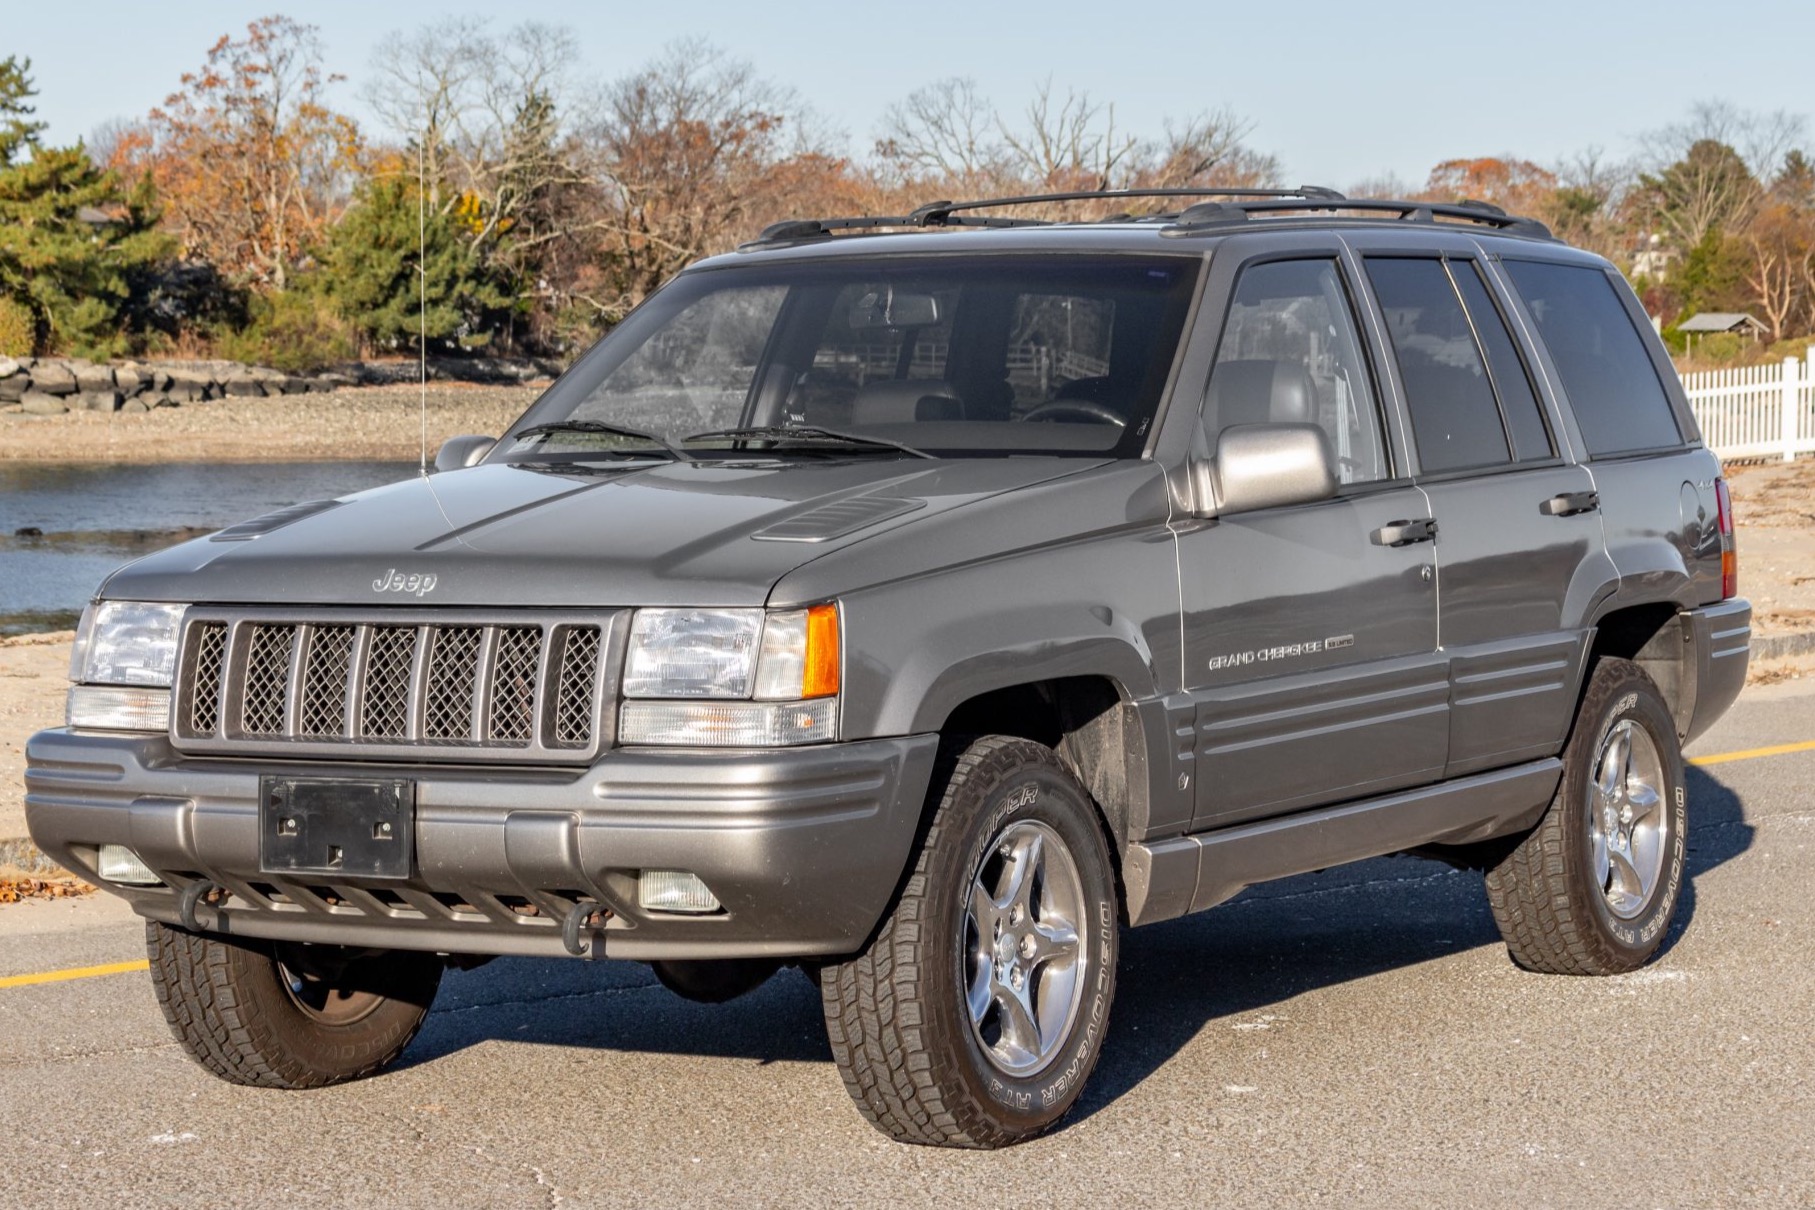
[
  {"x": 947, "y": 213},
  {"x": 1209, "y": 216}
]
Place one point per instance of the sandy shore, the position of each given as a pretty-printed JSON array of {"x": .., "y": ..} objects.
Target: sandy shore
[{"x": 353, "y": 424}]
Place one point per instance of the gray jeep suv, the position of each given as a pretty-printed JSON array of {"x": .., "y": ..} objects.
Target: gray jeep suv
[{"x": 921, "y": 601}]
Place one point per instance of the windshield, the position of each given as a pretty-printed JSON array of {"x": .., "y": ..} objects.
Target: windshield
[{"x": 888, "y": 357}]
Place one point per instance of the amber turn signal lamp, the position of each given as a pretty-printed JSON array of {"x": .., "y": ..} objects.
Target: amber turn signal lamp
[{"x": 821, "y": 675}]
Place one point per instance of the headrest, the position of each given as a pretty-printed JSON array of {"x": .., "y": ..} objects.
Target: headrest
[
  {"x": 905, "y": 401},
  {"x": 1261, "y": 392}
]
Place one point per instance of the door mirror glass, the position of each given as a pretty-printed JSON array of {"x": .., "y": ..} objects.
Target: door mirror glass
[
  {"x": 1269, "y": 465},
  {"x": 458, "y": 452}
]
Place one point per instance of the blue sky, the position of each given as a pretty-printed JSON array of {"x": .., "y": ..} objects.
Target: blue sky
[{"x": 1340, "y": 92}]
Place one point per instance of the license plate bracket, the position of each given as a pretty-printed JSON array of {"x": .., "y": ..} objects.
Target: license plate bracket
[{"x": 337, "y": 827}]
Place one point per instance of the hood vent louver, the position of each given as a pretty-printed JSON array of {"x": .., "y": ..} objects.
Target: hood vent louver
[
  {"x": 837, "y": 519},
  {"x": 245, "y": 531}
]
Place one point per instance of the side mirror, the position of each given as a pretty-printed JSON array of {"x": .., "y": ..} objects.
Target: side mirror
[
  {"x": 458, "y": 452},
  {"x": 1269, "y": 465}
]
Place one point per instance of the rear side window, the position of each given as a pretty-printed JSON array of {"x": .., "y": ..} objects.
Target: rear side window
[
  {"x": 1606, "y": 371},
  {"x": 1455, "y": 420}
]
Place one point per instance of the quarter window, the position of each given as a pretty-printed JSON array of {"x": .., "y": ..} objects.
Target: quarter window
[
  {"x": 1455, "y": 420},
  {"x": 1290, "y": 354},
  {"x": 1612, "y": 385}
]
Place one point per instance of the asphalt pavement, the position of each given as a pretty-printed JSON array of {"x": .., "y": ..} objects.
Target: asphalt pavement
[{"x": 1356, "y": 1038}]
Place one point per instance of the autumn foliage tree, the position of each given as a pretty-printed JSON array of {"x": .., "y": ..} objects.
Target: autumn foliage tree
[{"x": 252, "y": 164}]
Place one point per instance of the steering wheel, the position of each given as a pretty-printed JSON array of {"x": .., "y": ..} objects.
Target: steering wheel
[{"x": 1076, "y": 409}]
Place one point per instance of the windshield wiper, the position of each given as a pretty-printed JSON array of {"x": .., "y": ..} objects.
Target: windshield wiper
[
  {"x": 805, "y": 434},
  {"x": 599, "y": 426}
]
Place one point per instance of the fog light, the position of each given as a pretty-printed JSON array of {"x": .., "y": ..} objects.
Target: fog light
[
  {"x": 118, "y": 708},
  {"x": 121, "y": 864},
  {"x": 675, "y": 891}
]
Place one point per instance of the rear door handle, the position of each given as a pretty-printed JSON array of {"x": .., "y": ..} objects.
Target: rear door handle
[
  {"x": 1404, "y": 533},
  {"x": 1570, "y": 504}
]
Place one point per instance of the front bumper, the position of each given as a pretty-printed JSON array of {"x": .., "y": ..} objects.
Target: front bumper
[{"x": 804, "y": 846}]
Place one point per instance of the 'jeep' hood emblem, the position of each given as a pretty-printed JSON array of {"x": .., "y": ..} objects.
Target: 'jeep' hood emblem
[{"x": 416, "y": 583}]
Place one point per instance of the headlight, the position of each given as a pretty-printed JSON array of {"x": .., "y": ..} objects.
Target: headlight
[
  {"x": 782, "y": 667},
  {"x": 126, "y": 643}
]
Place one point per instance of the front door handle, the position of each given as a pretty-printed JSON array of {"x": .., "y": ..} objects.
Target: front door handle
[
  {"x": 1571, "y": 504},
  {"x": 1404, "y": 533}
]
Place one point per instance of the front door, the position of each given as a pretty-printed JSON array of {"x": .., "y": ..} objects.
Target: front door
[{"x": 1310, "y": 631}]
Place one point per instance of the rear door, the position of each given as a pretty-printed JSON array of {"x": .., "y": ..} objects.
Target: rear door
[
  {"x": 1310, "y": 637},
  {"x": 1520, "y": 553}
]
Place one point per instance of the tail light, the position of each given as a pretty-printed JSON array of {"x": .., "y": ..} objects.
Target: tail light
[{"x": 1729, "y": 549}]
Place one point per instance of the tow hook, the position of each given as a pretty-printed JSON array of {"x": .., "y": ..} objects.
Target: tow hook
[
  {"x": 201, "y": 892},
  {"x": 588, "y": 918}
]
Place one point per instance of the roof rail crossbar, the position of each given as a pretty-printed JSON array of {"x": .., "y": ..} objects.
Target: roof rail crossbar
[
  {"x": 1207, "y": 216},
  {"x": 947, "y": 213},
  {"x": 937, "y": 214}
]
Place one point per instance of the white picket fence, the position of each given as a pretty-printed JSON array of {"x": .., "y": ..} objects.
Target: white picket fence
[{"x": 1756, "y": 411}]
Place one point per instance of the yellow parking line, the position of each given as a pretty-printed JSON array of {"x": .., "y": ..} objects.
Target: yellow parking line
[
  {"x": 79, "y": 972},
  {"x": 1721, "y": 758}
]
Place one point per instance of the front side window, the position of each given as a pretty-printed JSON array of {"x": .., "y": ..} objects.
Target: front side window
[
  {"x": 1290, "y": 354},
  {"x": 1607, "y": 373},
  {"x": 948, "y": 355}
]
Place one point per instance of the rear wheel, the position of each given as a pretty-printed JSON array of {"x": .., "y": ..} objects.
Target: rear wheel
[
  {"x": 1592, "y": 889},
  {"x": 976, "y": 1014},
  {"x": 288, "y": 1016}
]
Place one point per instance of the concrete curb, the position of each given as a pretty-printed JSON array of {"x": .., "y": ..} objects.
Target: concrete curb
[{"x": 1777, "y": 646}]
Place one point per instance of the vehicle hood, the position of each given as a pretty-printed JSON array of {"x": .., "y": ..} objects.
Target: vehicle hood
[{"x": 666, "y": 534}]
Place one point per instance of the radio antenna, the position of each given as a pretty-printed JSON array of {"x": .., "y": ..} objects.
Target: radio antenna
[{"x": 422, "y": 302}]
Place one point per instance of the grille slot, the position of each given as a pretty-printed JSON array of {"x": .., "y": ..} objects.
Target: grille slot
[
  {"x": 575, "y": 693},
  {"x": 387, "y": 683},
  {"x": 453, "y": 682},
  {"x": 267, "y": 686},
  {"x": 325, "y": 672},
  {"x": 513, "y": 710},
  {"x": 208, "y": 675},
  {"x": 408, "y": 684}
]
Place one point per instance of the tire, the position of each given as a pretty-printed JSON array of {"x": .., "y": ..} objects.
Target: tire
[
  {"x": 278, "y": 1016},
  {"x": 1592, "y": 889},
  {"x": 974, "y": 1019}
]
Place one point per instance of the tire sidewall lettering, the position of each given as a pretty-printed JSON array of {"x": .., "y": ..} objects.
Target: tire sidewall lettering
[{"x": 1021, "y": 795}]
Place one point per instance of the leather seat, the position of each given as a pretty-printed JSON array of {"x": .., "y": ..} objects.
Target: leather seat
[{"x": 1261, "y": 392}]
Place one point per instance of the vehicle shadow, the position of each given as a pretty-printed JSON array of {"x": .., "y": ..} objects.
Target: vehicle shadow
[{"x": 1176, "y": 979}]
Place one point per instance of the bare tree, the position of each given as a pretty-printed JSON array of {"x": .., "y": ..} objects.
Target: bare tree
[
  {"x": 1705, "y": 173},
  {"x": 945, "y": 131},
  {"x": 694, "y": 151}
]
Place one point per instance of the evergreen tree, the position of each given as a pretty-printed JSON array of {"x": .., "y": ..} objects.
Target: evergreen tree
[
  {"x": 17, "y": 129},
  {"x": 71, "y": 245},
  {"x": 370, "y": 269}
]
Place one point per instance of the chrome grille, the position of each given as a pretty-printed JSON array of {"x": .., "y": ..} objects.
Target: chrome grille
[
  {"x": 325, "y": 672},
  {"x": 453, "y": 685},
  {"x": 574, "y": 697},
  {"x": 411, "y": 682},
  {"x": 208, "y": 672},
  {"x": 514, "y": 668},
  {"x": 386, "y": 713},
  {"x": 267, "y": 684}
]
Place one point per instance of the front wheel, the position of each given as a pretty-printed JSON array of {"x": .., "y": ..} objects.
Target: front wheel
[
  {"x": 288, "y": 1016},
  {"x": 1592, "y": 889},
  {"x": 977, "y": 1012}
]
